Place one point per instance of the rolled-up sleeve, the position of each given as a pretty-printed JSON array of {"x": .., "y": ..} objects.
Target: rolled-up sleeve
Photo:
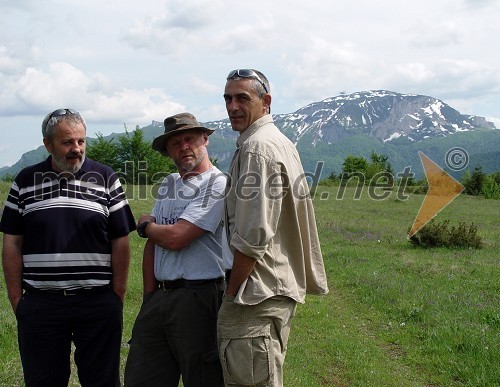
[{"x": 259, "y": 193}]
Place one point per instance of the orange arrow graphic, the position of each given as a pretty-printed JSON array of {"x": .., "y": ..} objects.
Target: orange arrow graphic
[{"x": 442, "y": 190}]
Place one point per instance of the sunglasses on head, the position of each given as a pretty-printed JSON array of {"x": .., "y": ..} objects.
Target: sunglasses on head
[
  {"x": 58, "y": 113},
  {"x": 247, "y": 73}
]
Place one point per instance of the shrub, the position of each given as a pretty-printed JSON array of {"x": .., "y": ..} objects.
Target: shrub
[
  {"x": 418, "y": 189},
  {"x": 331, "y": 180},
  {"x": 8, "y": 177},
  {"x": 473, "y": 183},
  {"x": 491, "y": 188},
  {"x": 442, "y": 235}
]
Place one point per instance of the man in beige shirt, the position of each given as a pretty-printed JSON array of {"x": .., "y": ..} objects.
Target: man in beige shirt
[{"x": 272, "y": 236}]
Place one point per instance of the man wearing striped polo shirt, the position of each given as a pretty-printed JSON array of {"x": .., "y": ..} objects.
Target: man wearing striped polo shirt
[{"x": 65, "y": 258}]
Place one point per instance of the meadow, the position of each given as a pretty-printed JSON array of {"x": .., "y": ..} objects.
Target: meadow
[{"x": 396, "y": 314}]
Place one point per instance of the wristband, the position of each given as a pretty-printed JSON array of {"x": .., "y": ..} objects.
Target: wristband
[{"x": 141, "y": 229}]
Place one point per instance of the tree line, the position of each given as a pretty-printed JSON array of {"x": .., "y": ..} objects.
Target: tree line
[
  {"x": 133, "y": 159},
  {"x": 377, "y": 170}
]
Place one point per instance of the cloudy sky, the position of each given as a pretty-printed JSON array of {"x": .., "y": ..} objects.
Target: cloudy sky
[{"x": 128, "y": 62}]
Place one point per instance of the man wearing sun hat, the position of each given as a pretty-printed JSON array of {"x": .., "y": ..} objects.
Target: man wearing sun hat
[{"x": 175, "y": 331}]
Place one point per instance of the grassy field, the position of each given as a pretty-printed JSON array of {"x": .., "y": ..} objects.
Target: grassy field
[{"x": 396, "y": 315}]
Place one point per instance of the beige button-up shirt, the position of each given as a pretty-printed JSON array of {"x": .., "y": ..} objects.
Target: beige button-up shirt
[{"x": 270, "y": 217}]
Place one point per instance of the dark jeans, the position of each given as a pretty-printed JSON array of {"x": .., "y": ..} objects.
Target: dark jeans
[
  {"x": 175, "y": 334},
  {"x": 48, "y": 323}
]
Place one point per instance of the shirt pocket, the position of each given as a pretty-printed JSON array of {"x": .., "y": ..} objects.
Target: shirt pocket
[{"x": 246, "y": 352}]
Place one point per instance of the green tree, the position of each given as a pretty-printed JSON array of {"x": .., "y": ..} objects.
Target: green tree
[
  {"x": 132, "y": 158},
  {"x": 491, "y": 186},
  {"x": 8, "y": 177},
  {"x": 353, "y": 164},
  {"x": 378, "y": 168},
  {"x": 141, "y": 164},
  {"x": 354, "y": 171},
  {"x": 333, "y": 177},
  {"x": 104, "y": 151},
  {"x": 473, "y": 183},
  {"x": 382, "y": 161}
]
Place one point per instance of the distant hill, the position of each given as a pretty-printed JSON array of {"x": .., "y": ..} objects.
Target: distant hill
[{"x": 396, "y": 125}]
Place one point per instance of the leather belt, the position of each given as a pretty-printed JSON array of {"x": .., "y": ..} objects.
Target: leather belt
[
  {"x": 69, "y": 292},
  {"x": 184, "y": 283}
]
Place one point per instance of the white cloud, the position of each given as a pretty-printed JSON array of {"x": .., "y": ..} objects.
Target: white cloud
[
  {"x": 211, "y": 113},
  {"x": 141, "y": 106},
  {"x": 427, "y": 33},
  {"x": 128, "y": 61},
  {"x": 325, "y": 68},
  {"x": 479, "y": 4},
  {"x": 415, "y": 72},
  {"x": 198, "y": 85},
  {"x": 8, "y": 64},
  {"x": 63, "y": 85},
  {"x": 495, "y": 120},
  {"x": 185, "y": 31}
]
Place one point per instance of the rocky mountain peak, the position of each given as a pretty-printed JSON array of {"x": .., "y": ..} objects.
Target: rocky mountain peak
[{"x": 383, "y": 115}]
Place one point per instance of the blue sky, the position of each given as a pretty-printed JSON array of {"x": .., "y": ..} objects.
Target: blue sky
[{"x": 127, "y": 62}]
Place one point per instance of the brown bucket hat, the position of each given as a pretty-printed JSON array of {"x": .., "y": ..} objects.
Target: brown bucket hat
[{"x": 176, "y": 124}]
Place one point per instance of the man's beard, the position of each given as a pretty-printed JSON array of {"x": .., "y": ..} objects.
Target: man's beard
[
  {"x": 188, "y": 166},
  {"x": 64, "y": 166}
]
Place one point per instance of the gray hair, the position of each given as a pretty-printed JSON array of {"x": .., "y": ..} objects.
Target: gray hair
[
  {"x": 53, "y": 119},
  {"x": 257, "y": 86}
]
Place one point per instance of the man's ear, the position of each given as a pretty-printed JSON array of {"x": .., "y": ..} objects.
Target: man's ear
[
  {"x": 267, "y": 102},
  {"x": 48, "y": 145}
]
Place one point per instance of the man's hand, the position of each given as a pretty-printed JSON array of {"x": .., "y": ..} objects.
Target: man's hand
[
  {"x": 243, "y": 266},
  {"x": 12, "y": 262},
  {"x": 143, "y": 222},
  {"x": 146, "y": 218},
  {"x": 14, "y": 301},
  {"x": 120, "y": 261}
]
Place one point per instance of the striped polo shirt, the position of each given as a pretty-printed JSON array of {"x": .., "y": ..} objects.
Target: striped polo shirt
[{"x": 67, "y": 224}]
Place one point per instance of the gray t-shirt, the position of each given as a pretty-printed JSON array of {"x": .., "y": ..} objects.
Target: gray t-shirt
[{"x": 200, "y": 201}]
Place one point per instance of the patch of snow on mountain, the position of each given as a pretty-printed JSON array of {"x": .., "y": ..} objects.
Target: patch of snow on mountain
[
  {"x": 300, "y": 130},
  {"x": 459, "y": 129},
  {"x": 436, "y": 107},
  {"x": 296, "y": 117},
  {"x": 392, "y": 137}
]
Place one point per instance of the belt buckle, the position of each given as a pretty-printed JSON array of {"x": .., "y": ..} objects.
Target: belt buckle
[
  {"x": 68, "y": 292},
  {"x": 165, "y": 289}
]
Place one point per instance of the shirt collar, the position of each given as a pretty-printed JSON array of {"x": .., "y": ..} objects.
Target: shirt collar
[{"x": 268, "y": 118}]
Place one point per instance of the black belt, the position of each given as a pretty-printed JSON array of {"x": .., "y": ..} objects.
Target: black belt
[
  {"x": 69, "y": 292},
  {"x": 184, "y": 283},
  {"x": 228, "y": 275}
]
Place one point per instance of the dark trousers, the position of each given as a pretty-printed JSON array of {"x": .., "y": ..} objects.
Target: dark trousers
[
  {"x": 175, "y": 334},
  {"x": 48, "y": 323}
]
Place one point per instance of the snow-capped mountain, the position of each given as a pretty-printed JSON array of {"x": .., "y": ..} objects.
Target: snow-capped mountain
[
  {"x": 354, "y": 124},
  {"x": 380, "y": 114}
]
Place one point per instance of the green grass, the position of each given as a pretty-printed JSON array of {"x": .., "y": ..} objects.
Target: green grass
[{"x": 396, "y": 314}]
